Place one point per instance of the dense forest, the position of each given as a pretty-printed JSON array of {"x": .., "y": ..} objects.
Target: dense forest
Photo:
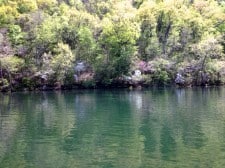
[{"x": 57, "y": 44}]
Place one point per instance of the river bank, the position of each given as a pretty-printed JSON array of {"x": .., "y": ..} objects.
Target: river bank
[
  {"x": 158, "y": 72},
  {"x": 117, "y": 84}
]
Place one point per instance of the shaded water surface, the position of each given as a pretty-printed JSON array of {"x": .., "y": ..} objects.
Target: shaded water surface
[{"x": 116, "y": 128}]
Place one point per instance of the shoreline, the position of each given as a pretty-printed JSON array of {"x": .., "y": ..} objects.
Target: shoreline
[{"x": 127, "y": 87}]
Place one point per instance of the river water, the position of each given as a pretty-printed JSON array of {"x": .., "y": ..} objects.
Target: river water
[{"x": 113, "y": 128}]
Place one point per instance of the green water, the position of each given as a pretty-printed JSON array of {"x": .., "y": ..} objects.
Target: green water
[{"x": 149, "y": 128}]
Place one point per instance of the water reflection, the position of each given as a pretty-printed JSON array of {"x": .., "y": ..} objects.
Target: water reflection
[
  {"x": 150, "y": 128},
  {"x": 168, "y": 144}
]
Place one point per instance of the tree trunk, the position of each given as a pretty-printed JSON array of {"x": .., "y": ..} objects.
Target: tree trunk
[
  {"x": 203, "y": 77},
  {"x": 10, "y": 79},
  {"x": 203, "y": 63},
  {"x": 1, "y": 73}
]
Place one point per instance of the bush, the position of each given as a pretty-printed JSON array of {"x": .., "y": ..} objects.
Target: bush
[
  {"x": 25, "y": 6},
  {"x": 11, "y": 64},
  {"x": 88, "y": 83},
  {"x": 16, "y": 35},
  {"x": 162, "y": 71},
  {"x": 7, "y": 14},
  {"x": 161, "y": 77},
  {"x": 4, "y": 84},
  {"x": 28, "y": 83}
]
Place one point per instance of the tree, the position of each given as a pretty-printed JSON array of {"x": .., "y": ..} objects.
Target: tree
[
  {"x": 86, "y": 47},
  {"x": 10, "y": 65},
  {"x": 25, "y": 6},
  {"x": 118, "y": 40},
  {"x": 7, "y": 14},
  {"x": 207, "y": 49},
  {"x": 62, "y": 61}
]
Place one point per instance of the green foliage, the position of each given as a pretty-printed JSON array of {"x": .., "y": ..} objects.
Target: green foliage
[
  {"x": 16, "y": 35},
  {"x": 62, "y": 61},
  {"x": 206, "y": 50},
  {"x": 104, "y": 74},
  {"x": 25, "y": 6},
  {"x": 70, "y": 36},
  {"x": 118, "y": 42},
  {"x": 111, "y": 35},
  {"x": 47, "y": 36},
  {"x": 11, "y": 64},
  {"x": 4, "y": 82},
  {"x": 216, "y": 71},
  {"x": 90, "y": 83},
  {"x": 28, "y": 83},
  {"x": 162, "y": 71},
  {"x": 177, "y": 25},
  {"x": 46, "y": 4},
  {"x": 7, "y": 14},
  {"x": 86, "y": 48},
  {"x": 49, "y": 31},
  {"x": 161, "y": 77}
]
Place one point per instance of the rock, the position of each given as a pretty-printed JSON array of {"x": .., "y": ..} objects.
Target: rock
[
  {"x": 76, "y": 78},
  {"x": 57, "y": 86},
  {"x": 139, "y": 87},
  {"x": 44, "y": 87},
  {"x": 1, "y": 38},
  {"x": 137, "y": 73},
  {"x": 81, "y": 67},
  {"x": 179, "y": 79}
]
